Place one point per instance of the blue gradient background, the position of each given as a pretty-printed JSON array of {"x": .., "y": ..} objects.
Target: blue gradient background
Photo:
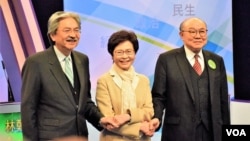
[{"x": 157, "y": 25}]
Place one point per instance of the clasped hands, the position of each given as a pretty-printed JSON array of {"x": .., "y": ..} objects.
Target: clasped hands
[{"x": 147, "y": 127}]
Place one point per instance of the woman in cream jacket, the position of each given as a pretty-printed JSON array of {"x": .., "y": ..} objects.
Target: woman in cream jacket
[{"x": 124, "y": 94}]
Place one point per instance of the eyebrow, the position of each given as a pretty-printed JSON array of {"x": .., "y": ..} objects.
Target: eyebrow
[
  {"x": 196, "y": 29},
  {"x": 71, "y": 28}
]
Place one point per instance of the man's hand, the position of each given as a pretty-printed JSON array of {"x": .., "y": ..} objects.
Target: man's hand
[
  {"x": 109, "y": 123},
  {"x": 145, "y": 129},
  {"x": 122, "y": 119},
  {"x": 154, "y": 124}
]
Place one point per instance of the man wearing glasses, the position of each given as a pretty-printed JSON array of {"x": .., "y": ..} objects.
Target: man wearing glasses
[{"x": 190, "y": 86}]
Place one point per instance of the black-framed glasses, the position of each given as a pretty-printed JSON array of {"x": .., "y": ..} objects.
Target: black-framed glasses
[
  {"x": 127, "y": 52},
  {"x": 194, "y": 32}
]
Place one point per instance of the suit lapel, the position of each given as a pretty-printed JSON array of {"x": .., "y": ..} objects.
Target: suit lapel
[
  {"x": 58, "y": 74},
  {"x": 80, "y": 68},
  {"x": 180, "y": 57},
  {"x": 118, "y": 81},
  {"x": 211, "y": 73}
]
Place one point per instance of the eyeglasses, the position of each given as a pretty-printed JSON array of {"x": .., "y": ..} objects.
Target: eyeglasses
[
  {"x": 127, "y": 52},
  {"x": 69, "y": 31},
  {"x": 194, "y": 32}
]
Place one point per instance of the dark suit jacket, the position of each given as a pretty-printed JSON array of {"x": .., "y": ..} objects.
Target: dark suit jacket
[
  {"x": 172, "y": 90},
  {"x": 48, "y": 109}
]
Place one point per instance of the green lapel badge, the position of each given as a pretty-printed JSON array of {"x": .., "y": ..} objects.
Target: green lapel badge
[{"x": 211, "y": 64}]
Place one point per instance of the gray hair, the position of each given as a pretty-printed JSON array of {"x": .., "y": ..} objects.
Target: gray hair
[{"x": 55, "y": 18}]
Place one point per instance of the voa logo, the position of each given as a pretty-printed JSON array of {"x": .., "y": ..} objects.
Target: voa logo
[{"x": 236, "y": 132}]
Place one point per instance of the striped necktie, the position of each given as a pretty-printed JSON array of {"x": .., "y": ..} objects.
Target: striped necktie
[{"x": 197, "y": 65}]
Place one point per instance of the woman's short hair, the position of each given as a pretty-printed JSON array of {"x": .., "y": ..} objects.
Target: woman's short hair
[{"x": 120, "y": 36}]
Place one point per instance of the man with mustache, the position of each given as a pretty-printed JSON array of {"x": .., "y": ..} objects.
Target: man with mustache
[{"x": 54, "y": 104}]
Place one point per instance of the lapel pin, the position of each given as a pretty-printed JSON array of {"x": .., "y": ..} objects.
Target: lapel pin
[{"x": 211, "y": 64}]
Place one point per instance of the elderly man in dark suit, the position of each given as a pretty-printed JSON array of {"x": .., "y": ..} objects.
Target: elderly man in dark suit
[
  {"x": 55, "y": 105},
  {"x": 190, "y": 84}
]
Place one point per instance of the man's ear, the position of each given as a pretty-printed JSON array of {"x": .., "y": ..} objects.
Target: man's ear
[{"x": 51, "y": 38}]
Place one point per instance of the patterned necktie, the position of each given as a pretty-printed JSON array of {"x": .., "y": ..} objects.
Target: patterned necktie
[
  {"x": 197, "y": 65},
  {"x": 68, "y": 70}
]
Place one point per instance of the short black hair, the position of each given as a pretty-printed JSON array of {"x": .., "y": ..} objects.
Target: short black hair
[{"x": 120, "y": 36}]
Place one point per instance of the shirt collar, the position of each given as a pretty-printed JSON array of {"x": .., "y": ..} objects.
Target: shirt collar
[
  {"x": 190, "y": 54},
  {"x": 60, "y": 55}
]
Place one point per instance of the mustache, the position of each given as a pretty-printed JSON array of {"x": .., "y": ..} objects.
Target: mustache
[{"x": 72, "y": 39}]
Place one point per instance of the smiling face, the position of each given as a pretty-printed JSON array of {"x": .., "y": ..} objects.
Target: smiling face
[
  {"x": 194, "y": 34},
  {"x": 67, "y": 35},
  {"x": 124, "y": 55}
]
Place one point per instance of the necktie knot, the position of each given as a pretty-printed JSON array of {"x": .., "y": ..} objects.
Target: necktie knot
[
  {"x": 197, "y": 65},
  {"x": 67, "y": 58},
  {"x": 196, "y": 56}
]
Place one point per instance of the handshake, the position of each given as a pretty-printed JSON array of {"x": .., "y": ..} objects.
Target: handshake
[{"x": 147, "y": 127}]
